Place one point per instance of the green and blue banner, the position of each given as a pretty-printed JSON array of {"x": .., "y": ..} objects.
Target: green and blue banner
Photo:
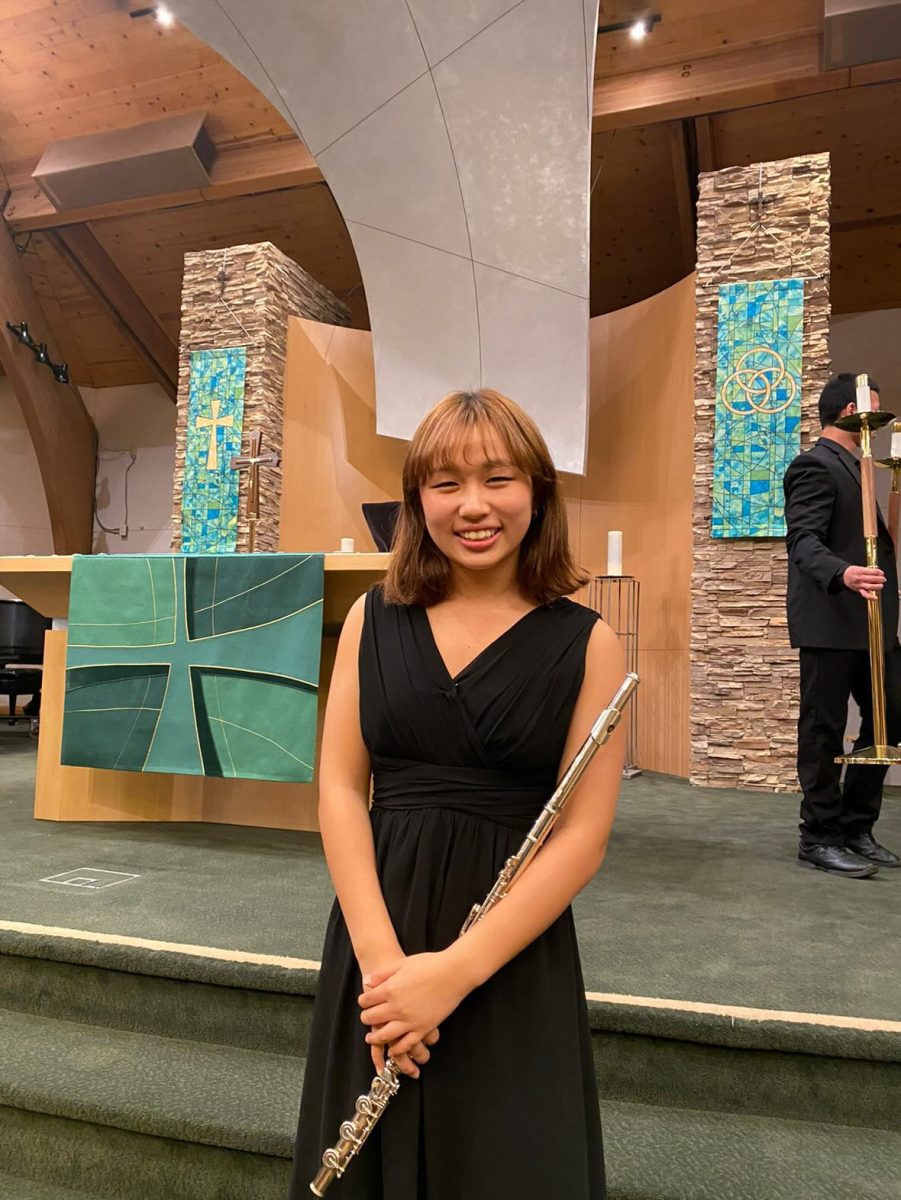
[
  {"x": 760, "y": 334},
  {"x": 194, "y": 665}
]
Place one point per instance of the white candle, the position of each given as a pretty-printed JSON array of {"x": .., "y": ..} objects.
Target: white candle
[
  {"x": 896, "y": 440},
  {"x": 862, "y": 384},
  {"x": 615, "y": 552},
  {"x": 347, "y": 546}
]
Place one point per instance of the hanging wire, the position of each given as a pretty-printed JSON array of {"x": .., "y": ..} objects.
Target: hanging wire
[{"x": 222, "y": 277}]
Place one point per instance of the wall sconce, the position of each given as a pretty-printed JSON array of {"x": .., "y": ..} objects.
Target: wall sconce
[{"x": 39, "y": 349}]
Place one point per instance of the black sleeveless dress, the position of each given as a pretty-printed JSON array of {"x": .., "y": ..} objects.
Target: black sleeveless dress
[{"x": 507, "y": 1107}]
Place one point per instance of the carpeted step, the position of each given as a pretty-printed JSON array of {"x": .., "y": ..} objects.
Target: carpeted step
[
  {"x": 14, "y": 1187},
  {"x": 844, "y": 1076},
  {"x": 191, "y": 1091},
  {"x": 252, "y": 1017},
  {"x": 680, "y": 1154}
]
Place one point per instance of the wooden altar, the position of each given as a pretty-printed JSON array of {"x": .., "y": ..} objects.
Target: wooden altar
[{"x": 85, "y": 794}]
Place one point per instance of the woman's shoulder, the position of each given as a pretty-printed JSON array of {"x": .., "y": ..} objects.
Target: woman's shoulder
[{"x": 573, "y": 612}]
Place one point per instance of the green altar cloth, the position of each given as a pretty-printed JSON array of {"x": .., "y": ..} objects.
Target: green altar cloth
[{"x": 194, "y": 665}]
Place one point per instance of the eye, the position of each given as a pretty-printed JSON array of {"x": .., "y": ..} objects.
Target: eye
[
  {"x": 500, "y": 479},
  {"x": 443, "y": 485}
]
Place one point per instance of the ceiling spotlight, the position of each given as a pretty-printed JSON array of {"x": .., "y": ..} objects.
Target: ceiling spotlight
[
  {"x": 60, "y": 372},
  {"x": 40, "y": 352},
  {"x": 21, "y": 333},
  {"x": 639, "y": 31},
  {"x": 164, "y": 16}
]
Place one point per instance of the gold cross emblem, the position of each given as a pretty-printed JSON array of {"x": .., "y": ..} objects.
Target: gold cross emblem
[{"x": 213, "y": 423}]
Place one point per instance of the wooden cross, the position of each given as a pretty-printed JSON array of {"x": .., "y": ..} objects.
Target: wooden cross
[
  {"x": 252, "y": 462},
  {"x": 213, "y": 423}
]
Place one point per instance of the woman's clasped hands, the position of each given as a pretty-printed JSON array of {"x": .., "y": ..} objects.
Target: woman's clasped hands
[{"x": 403, "y": 1005}]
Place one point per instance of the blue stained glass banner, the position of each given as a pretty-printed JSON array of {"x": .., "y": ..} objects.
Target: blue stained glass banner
[
  {"x": 760, "y": 333},
  {"x": 209, "y": 507}
]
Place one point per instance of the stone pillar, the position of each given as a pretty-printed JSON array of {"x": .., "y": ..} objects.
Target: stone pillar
[
  {"x": 243, "y": 296},
  {"x": 744, "y": 675}
]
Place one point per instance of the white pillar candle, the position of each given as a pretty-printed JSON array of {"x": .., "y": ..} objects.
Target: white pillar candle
[
  {"x": 862, "y": 385},
  {"x": 896, "y": 440},
  {"x": 615, "y": 552},
  {"x": 347, "y": 545}
]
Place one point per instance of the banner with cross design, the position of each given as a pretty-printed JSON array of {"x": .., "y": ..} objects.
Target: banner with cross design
[
  {"x": 214, "y": 426},
  {"x": 194, "y": 665},
  {"x": 760, "y": 334}
]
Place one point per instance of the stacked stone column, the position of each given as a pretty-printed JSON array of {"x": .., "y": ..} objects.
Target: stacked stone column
[
  {"x": 764, "y": 221},
  {"x": 243, "y": 296}
]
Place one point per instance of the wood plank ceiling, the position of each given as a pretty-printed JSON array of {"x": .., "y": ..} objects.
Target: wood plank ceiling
[{"x": 717, "y": 83}]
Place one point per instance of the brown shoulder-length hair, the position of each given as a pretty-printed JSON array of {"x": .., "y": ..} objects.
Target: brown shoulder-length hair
[{"x": 418, "y": 573}]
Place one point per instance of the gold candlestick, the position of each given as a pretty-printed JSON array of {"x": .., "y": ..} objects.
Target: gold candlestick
[{"x": 880, "y": 753}]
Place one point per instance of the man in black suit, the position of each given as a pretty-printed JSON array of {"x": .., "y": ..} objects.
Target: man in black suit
[{"x": 827, "y": 622}]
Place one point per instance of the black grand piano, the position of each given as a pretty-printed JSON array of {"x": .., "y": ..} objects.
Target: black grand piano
[{"x": 21, "y": 651}]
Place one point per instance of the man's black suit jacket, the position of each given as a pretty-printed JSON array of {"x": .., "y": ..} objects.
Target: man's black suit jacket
[{"x": 824, "y": 535}]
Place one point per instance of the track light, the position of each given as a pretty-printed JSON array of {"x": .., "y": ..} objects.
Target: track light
[
  {"x": 39, "y": 349},
  {"x": 21, "y": 333},
  {"x": 163, "y": 15},
  {"x": 638, "y": 28}
]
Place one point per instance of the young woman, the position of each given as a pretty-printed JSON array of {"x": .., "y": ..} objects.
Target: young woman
[{"x": 462, "y": 687}]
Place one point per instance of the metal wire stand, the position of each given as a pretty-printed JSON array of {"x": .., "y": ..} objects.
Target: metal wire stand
[{"x": 616, "y": 598}]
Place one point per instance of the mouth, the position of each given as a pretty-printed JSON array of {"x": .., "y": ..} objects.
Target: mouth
[{"x": 478, "y": 539}]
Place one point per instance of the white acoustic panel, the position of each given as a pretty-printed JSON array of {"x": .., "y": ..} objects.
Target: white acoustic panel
[
  {"x": 445, "y": 27},
  {"x": 456, "y": 140},
  {"x": 514, "y": 102},
  {"x": 535, "y": 348},
  {"x": 425, "y": 331},
  {"x": 410, "y": 133}
]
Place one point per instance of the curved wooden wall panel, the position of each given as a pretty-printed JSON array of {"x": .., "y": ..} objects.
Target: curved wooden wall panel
[{"x": 639, "y": 476}]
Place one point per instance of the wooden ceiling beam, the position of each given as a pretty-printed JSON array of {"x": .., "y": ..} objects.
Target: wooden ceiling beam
[
  {"x": 107, "y": 283},
  {"x": 731, "y": 80},
  {"x": 61, "y": 430},
  {"x": 241, "y": 170},
  {"x": 685, "y": 180}
]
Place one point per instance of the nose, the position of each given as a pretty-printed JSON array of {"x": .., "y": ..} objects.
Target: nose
[{"x": 473, "y": 502}]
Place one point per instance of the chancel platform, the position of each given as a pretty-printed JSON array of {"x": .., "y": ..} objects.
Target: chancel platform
[
  {"x": 69, "y": 793},
  {"x": 744, "y": 1013}
]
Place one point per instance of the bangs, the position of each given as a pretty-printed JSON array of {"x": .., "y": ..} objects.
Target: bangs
[{"x": 443, "y": 436}]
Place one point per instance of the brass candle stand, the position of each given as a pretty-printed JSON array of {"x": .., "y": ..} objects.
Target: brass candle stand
[{"x": 865, "y": 423}]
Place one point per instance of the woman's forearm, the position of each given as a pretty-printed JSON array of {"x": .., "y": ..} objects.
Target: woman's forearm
[
  {"x": 554, "y": 877},
  {"x": 350, "y": 854}
]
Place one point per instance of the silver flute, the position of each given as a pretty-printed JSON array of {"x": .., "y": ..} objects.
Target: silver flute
[{"x": 369, "y": 1107}]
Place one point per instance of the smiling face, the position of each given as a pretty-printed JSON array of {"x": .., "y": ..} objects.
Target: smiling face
[{"x": 478, "y": 506}]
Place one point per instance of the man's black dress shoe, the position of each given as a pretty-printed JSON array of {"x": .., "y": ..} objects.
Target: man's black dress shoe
[
  {"x": 867, "y": 847},
  {"x": 836, "y": 861}
]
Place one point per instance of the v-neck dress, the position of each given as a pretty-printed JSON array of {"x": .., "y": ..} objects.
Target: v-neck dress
[{"x": 507, "y": 1107}]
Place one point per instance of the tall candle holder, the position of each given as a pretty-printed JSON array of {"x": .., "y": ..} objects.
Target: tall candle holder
[
  {"x": 616, "y": 598},
  {"x": 865, "y": 422}
]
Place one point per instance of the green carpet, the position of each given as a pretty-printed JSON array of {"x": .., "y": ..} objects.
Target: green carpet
[
  {"x": 700, "y": 897},
  {"x": 129, "y": 1073}
]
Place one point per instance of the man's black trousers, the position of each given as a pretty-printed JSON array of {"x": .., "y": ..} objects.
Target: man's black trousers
[{"x": 830, "y": 812}]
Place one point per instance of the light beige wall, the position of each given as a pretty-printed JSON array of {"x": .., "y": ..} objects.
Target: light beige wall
[
  {"x": 639, "y": 480},
  {"x": 140, "y": 420},
  {"x": 639, "y": 476},
  {"x": 24, "y": 519}
]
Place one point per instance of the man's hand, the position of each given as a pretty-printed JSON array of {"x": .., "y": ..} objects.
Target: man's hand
[{"x": 868, "y": 581}]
